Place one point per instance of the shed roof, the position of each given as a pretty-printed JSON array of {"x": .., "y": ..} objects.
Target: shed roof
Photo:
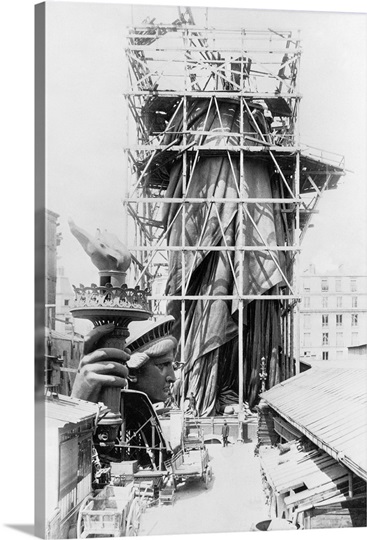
[
  {"x": 301, "y": 469},
  {"x": 330, "y": 407},
  {"x": 307, "y": 478},
  {"x": 61, "y": 410}
]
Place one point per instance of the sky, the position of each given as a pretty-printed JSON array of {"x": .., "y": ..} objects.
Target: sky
[{"x": 86, "y": 127}]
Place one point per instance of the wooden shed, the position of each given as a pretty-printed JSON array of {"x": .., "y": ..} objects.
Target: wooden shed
[
  {"x": 70, "y": 424},
  {"x": 320, "y": 480}
]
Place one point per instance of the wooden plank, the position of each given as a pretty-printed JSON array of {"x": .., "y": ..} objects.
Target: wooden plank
[
  {"x": 345, "y": 514},
  {"x": 322, "y": 477},
  {"x": 337, "y": 484},
  {"x": 320, "y": 387},
  {"x": 353, "y": 432},
  {"x": 325, "y": 495},
  {"x": 301, "y": 470},
  {"x": 330, "y": 487},
  {"x": 348, "y": 419},
  {"x": 341, "y": 498},
  {"x": 292, "y": 474}
]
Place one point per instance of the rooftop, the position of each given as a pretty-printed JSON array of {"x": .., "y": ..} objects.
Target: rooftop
[
  {"x": 328, "y": 404},
  {"x": 61, "y": 410}
]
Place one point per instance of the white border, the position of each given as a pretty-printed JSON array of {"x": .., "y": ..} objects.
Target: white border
[{"x": 17, "y": 99}]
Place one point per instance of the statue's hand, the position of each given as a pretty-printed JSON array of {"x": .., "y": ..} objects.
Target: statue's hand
[{"x": 99, "y": 367}]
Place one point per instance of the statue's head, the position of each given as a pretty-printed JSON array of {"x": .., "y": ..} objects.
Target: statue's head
[{"x": 151, "y": 362}]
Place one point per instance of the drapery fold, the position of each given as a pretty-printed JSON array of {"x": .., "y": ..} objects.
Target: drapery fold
[{"x": 211, "y": 326}]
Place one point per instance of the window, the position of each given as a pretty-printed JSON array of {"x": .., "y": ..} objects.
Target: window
[
  {"x": 306, "y": 284},
  {"x": 325, "y": 320},
  {"x": 325, "y": 339},
  {"x": 68, "y": 468},
  {"x": 325, "y": 355},
  {"x": 66, "y": 302},
  {"x": 307, "y": 339},
  {"x": 339, "y": 301},
  {"x": 84, "y": 458},
  {"x": 324, "y": 301},
  {"x": 324, "y": 285},
  {"x": 353, "y": 285},
  {"x": 306, "y": 301},
  {"x": 339, "y": 355},
  {"x": 307, "y": 321},
  {"x": 339, "y": 339},
  {"x": 354, "y": 301},
  {"x": 354, "y": 338},
  {"x": 354, "y": 319},
  {"x": 339, "y": 320},
  {"x": 338, "y": 285}
]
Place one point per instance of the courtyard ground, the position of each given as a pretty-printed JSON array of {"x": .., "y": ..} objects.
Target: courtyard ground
[{"x": 234, "y": 502}]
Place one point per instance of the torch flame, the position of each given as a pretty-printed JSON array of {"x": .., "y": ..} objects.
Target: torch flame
[{"x": 106, "y": 251}]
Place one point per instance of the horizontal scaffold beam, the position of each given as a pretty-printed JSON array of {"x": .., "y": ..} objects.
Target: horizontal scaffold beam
[
  {"x": 196, "y": 48},
  {"x": 213, "y": 248},
  {"x": 235, "y": 296},
  {"x": 217, "y": 200},
  {"x": 220, "y": 94},
  {"x": 247, "y": 32},
  {"x": 260, "y": 147}
]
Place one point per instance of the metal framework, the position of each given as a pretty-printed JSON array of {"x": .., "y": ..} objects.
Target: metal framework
[{"x": 173, "y": 67}]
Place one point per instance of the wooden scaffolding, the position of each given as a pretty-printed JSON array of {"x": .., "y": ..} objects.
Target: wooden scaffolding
[{"x": 170, "y": 68}]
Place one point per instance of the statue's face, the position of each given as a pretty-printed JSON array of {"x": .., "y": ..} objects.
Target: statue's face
[{"x": 155, "y": 378}]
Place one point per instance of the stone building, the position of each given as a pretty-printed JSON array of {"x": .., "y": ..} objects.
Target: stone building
[
  {"x": 333, "y": 314},
  {"x": 53, "y": 239}
]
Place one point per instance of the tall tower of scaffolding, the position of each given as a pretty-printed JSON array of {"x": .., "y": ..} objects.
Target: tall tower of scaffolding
[{"x": 221, "y": 193}]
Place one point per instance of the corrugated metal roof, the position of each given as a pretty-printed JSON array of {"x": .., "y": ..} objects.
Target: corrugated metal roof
[
  {"x": 67, "y": 410},
  {"x": 330, "y": 407}
]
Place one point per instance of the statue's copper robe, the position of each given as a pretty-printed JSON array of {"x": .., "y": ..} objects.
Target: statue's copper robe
[{"x": 211, "y": 336}]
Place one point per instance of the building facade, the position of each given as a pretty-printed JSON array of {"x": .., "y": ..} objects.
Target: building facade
[
  {"x": 333, "y": 314},
  {"x": 64, "y": 301},
  {"x": 53, "y": 239}
]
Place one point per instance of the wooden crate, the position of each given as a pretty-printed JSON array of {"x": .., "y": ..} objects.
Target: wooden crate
[
  {"x": 127, "y": 468},
  {"x": 101, "y": 516},
  {"x": 167, "y": 495},
  {"x": 145, "y": 489}
]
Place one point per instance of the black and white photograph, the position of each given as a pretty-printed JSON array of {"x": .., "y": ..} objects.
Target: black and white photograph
[{"x": 200, "y": 288}]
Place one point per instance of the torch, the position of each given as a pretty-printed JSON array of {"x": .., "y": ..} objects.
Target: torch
[{"x": 112, "y": 301}]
